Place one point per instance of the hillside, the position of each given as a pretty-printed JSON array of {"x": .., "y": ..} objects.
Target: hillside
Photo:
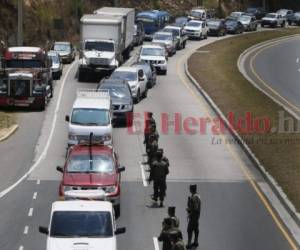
[{"x": 55, "y": 19}]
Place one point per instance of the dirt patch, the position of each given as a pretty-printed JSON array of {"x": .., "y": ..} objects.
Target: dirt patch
[{"x": 218, "y": 75}]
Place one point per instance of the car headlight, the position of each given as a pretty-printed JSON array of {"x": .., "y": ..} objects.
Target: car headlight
[
  {"x": 107, "y": 137},
  {"x": 72, "y": 137},
  {"x": 111, "y": 190},
  {"x": 67, "y": 188},
  {"x": 133, "y": 87},
  {"x": 128, "y": 106}
]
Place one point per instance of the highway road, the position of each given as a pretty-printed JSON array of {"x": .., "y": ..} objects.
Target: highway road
[
  {"x": 235, "y": 214},
  {"x": 275, "y": 67}
]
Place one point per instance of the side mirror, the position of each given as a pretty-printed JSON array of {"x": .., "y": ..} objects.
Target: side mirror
[
  {"x": 43, "y": 230},
  {"x": 120, "y": 230},
  {"x": 60, "y": 169},
  {"x": 67, "y": 118},
  {"x": 121, "y": 169}
]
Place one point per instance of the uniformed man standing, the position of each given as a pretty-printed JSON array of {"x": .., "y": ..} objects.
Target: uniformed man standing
[
  {"x": 193, "y": 210},
  {"x": 159, "y": 172},
  {"x": 172, "y": 216},
  {"x": 151, "y": 149},
  {"x": 177, "y": 241},
  {"x": 165, "y": 235}
]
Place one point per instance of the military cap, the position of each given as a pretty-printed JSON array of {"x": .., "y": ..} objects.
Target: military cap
[
  {"x": 193, "y": 188},
  {"x": 171, "y": 210}
]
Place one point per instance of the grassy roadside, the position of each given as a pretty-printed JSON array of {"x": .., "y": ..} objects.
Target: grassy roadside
[
  {"x": 218, "y": 74},
  {"x": 6, "y": 120}
]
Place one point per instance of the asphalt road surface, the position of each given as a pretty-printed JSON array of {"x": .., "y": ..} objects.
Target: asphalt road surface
[
  {"x": 276, "y": 68},
  {"x": 233, "y": 217}
]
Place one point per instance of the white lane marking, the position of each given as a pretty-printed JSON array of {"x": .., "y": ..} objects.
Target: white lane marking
[
  {"x": 34, "y": 196},
  {"x": 38, "y": 182},
  {"x": 21, "y": 248},
  {"x": 26, "y": 229},
  {"x": 297, "y": 60},
  {"x": 45, "y": 151},
  {"x": 156, "y": 245},
  {"x": 30, "y": 213},
  {"x": 145, "y": 183}
]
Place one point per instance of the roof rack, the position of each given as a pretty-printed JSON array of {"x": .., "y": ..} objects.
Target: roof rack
[{"x": 93, "y": 93}]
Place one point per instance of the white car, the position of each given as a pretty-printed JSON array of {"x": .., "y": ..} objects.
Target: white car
[
  {"x": 136, "y": 79},
  {"x": 155, "y": 55},
  {"x": 196, "y": 29},
  {"x": 168, "y": 39},
  {"x": 82, "y": 225},
  {"x": 197, "y": 14},
  {"x": 273, "y": 20},
  {"x": 91, "y": 113}
]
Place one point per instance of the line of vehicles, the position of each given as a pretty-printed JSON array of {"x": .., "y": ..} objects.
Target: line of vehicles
[{"x": 90, "y": 188}]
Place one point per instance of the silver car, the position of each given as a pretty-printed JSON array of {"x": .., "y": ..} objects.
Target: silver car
[
  {"x": 66, "y": 50},
  {"x": 168, "y": 39},
  {"x": 57, "y": 66}
]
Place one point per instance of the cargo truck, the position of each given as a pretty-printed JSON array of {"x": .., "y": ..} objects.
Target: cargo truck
[{"x": 106, "y": 41}]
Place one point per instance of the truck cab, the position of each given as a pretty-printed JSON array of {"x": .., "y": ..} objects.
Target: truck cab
[
  {"x": 91, "y": 113},
  {"x": 26, "y": 78}
]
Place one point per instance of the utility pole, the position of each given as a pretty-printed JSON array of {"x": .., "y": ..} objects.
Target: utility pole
[
  {"x": 20, "y": 22},
  {"x": 264, "y": 4}
]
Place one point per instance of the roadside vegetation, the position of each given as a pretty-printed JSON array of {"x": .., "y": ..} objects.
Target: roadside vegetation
[
  {"x": 6, "y": 120},
  {"x": 218, "y": 75}
]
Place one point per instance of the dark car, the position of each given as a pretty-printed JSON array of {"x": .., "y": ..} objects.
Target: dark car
[
  {"x": 66, "y": 51},
  {"x": 150, "y": 72},
  {"x": 121, "y": 97},
  {"x": 216, "y": 27},
  {"x": 258, "y": 12},
  {"x": 285, "y": 13},
  {"x": 182, "y": 21},
  {"x": 139, "y": 34},
  {"x": 234, "y": 26},
  {"x": 294, "y": 19}
]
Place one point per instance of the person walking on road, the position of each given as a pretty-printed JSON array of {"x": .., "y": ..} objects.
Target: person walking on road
[
  {"x": 193, "y": 210},
  {"x": 158, "y": 175},
  {"x": 151, "y": 149},
  {"x": 149, "y": 122}
]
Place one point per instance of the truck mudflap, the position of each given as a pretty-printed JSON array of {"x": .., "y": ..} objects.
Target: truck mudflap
[{"x": 30, "y": 102}]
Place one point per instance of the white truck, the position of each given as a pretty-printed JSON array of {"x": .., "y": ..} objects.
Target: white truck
[{"x": 105, "y": 43}]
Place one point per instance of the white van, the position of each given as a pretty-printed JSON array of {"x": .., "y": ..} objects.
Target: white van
[
  {"x": 198, "y": 14},
  {"x": 82, "y": 225},
  {"x": 91, "y": 113}
]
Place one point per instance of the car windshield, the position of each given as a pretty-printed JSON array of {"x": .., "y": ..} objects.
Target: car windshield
[
  {"x": 193, "y": 24},
  {"x": 181, "y": 20},
  {"x": 23, "y": 63},
  {"x": 282, "y": 12},
  {"x": 213, "y": 23},
  {"x": 152, "y": 52},
  {"x": 90, "y": 117},
  {"x": 129, "y": 76},
  {"x": 62, "y": 47},
  {"x": 244, "y": 18},
  {"x": 251, "y": 10},
  {"x": 99, "y": 46},
  {"x": 76, "y": 224},
  {"x": 174, "y": 31},
  {"x": 271, "y": 15},
  {"x": 196, "y": 13},
  {"x": 54, "y": 58},
  {"x": 235, "y": 14},
  {"x": 162, "y": 37},
  {"x": 231, "y": 22},
  {"x": 95, "y": 164},
  {"x": 117, "y": 91}
]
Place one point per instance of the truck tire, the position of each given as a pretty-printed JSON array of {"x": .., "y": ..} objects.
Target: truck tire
[
  {"x": 81, "y": 75},
  {"x": 117, "y": 209}
]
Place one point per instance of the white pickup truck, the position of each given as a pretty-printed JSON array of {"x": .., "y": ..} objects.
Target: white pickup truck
[{"x": 273, "y": 20}]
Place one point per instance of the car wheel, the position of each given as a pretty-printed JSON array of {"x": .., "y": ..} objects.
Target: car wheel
[
  {"x": 81, "y": 75},
  {"x": 201, "y": 36},
  {"x": 164, "y": 72},
  {"x": 117, "y": 209},
  {"x": 283, "y": 25},
  {"x": 138, "y": 97},
  {"x": 145, "y": 93},
  {"x": 262, "y": 25}
]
